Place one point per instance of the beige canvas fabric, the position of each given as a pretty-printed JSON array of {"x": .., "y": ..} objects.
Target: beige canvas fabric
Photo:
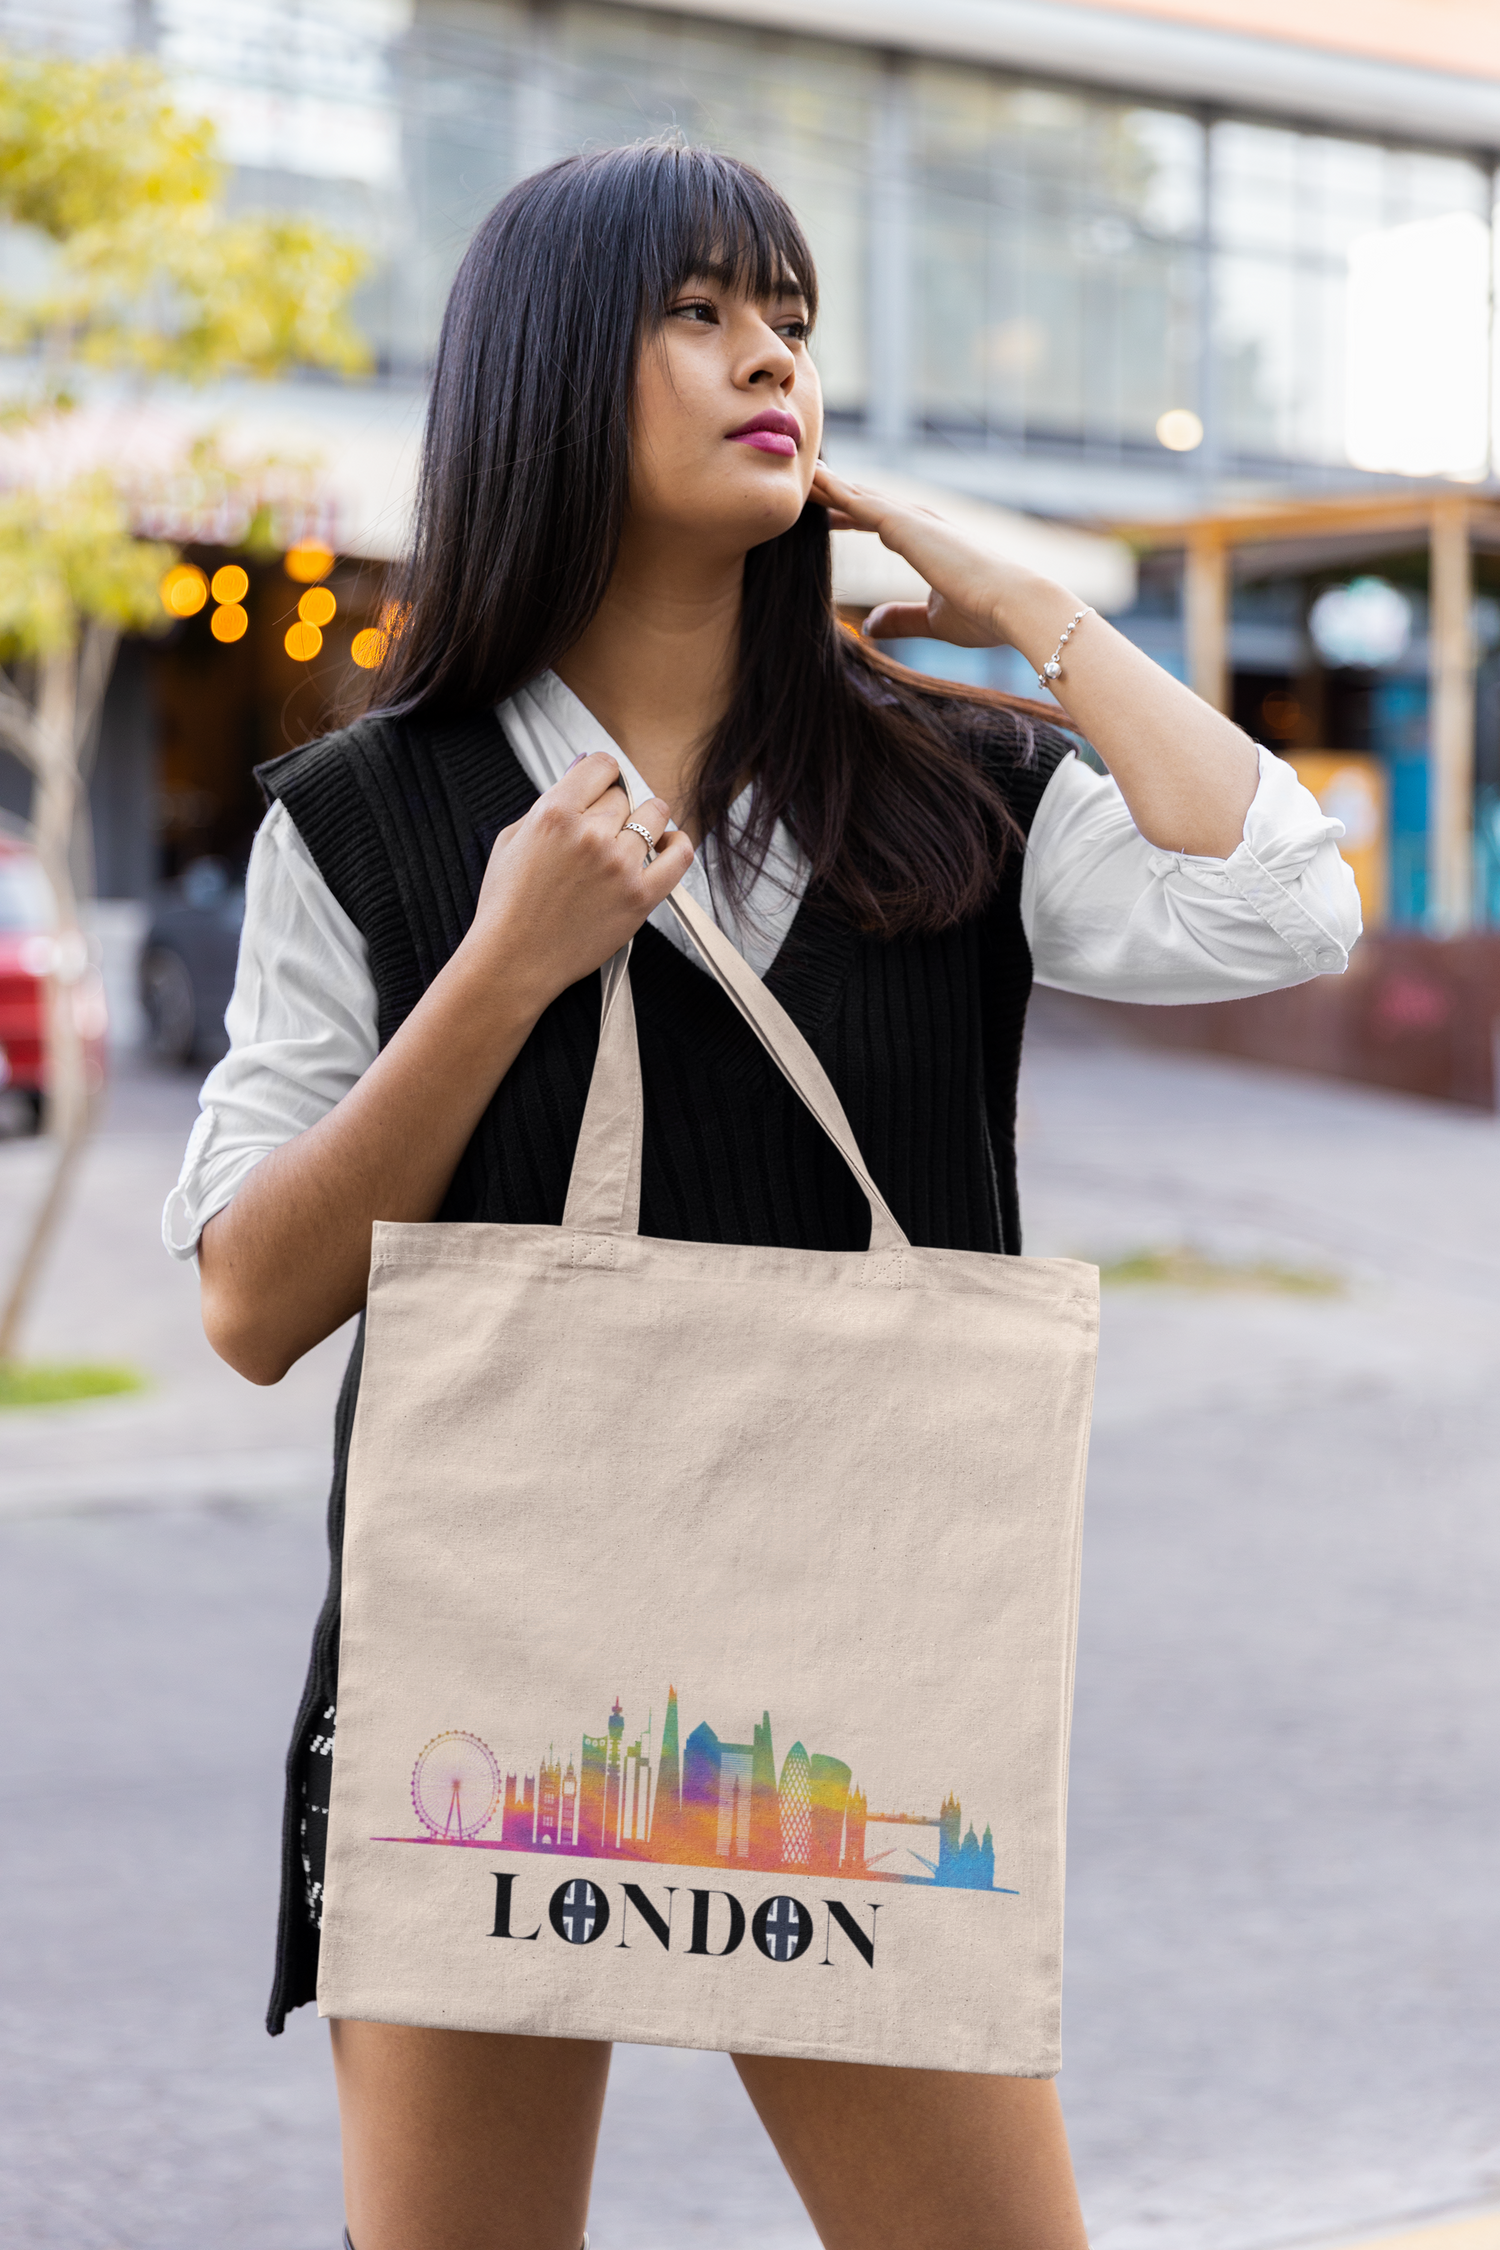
[{"x": 708, "y": 1623}]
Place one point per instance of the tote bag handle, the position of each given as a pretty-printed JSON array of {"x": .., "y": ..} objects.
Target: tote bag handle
[{"x": 604, "y": 1193}]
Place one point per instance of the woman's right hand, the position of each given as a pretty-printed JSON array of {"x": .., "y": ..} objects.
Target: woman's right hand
[
  {"x": 569, "y": 884},
  {"x": 288, "y": 1260}
]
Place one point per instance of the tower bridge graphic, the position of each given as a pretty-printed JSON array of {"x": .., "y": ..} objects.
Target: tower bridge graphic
[{"x": 704, "y": 1803}]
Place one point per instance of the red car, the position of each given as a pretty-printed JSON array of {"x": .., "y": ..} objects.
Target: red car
[{"x": 30, "y": 951}]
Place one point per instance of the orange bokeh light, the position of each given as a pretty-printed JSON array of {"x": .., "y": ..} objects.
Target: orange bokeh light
[
  {"x": 303, "y": 642},
  {"x": 184, "y": 590},
  {"x": 229, "y": 622},
  {"x": 231, "y": 584},
  {"x": 307, "y": 561},
  {"x": 368, "y": 648},
  {"x": 317, "y": 606}
]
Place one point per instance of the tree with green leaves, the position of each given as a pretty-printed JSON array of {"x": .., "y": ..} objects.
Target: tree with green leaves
[{"x": 115, "y": 204}]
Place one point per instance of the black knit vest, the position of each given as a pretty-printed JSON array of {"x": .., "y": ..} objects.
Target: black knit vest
[{"x": 921, "y": 1037}]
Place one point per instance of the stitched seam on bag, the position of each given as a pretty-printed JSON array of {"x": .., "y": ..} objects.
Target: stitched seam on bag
[
  {"x": 594, "y": 1250},
  {"x": 884, "y": 1271}
]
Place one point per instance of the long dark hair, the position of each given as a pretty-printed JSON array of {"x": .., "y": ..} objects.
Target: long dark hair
[{"x": 884, "y": 777}]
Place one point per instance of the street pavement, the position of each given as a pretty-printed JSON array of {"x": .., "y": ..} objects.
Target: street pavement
[{"x": 1282, "y": 1960}]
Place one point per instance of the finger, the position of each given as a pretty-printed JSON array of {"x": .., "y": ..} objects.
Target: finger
[
  {"x": 830, "y": 488},
  {"x": 858, "y": 509},
  {"x": 898, "y": 621},
  {"x": 586, "y": 781},
  {"x": 652, "y": 812},
  {"x": 673, "y": 859},
  {"x": 865, "y": 509},
  {"x": 646, "y": 824}
]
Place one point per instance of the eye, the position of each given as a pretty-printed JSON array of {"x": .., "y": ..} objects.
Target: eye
[
  {"x": 797, "y": 330},
  {"x": 695, "y": 308}
]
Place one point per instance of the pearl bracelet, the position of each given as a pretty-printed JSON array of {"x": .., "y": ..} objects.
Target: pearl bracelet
[{"x": 1052, "y": 669}]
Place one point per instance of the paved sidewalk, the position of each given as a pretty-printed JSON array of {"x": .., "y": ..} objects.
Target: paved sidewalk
[
  {"x": 1282, "y": 1963},
  {"x": 110, "y": 1292}
]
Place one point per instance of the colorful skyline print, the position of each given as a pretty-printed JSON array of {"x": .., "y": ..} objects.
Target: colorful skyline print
[{"x": 706, "y": 1803}]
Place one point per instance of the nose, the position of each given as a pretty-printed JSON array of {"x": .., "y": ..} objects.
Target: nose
[{"x": 771, "y": 362}]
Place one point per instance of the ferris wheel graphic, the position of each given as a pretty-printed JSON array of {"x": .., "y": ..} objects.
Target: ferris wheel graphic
[{"x": 455, "y": 1786}]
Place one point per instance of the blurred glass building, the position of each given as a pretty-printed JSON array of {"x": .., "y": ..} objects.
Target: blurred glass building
[
  {"x": 1114, "y": 263},
  {"x": 1087, "y": 256}
]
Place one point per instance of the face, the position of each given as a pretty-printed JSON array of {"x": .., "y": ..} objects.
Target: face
[{"x": 728, "y": 419}]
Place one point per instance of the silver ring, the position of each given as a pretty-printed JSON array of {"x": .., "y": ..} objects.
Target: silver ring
[{"x": 645, "y": 835}]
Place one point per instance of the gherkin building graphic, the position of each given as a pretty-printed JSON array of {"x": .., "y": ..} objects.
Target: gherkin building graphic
[
  {"x": 709, "y": 1803},
  {"x": 796, "y": 1808}
]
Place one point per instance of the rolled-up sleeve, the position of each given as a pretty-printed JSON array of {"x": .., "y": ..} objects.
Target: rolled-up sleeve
[
  {"x": 1108, "y": 914},
  {"x": 301, "y": 1025}
]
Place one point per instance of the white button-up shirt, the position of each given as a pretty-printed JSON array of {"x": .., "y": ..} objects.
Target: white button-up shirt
[{"x": 1104, "y": 912}]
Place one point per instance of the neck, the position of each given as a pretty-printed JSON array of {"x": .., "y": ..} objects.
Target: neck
[{"x": 656, "y": 666}]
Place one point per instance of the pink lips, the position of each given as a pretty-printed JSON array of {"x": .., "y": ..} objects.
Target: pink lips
[{"x": 770, "y": 432}]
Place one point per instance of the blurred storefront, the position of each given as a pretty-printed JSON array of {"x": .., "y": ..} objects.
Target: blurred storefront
[
  {"x": 1360, "y": 637},
  {"x": 241, "y": 671},
  {"x": 1135, "y": 262}
]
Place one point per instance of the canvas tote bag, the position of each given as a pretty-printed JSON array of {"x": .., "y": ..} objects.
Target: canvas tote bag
[{"x": 708, "y": 1623}]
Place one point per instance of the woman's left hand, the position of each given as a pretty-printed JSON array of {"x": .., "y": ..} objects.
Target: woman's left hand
[
  {"x": 968, "y": 585},
  {"x": 1188, "y": 775}
]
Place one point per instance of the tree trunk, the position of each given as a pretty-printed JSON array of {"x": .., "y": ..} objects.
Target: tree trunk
[{"x": 64, "y": 719}]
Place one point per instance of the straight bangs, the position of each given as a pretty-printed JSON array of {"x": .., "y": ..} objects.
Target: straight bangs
[{"x": 710, "y": 218}]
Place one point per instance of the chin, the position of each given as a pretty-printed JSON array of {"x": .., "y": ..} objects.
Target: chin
[
  {"x": 771, "y": 531},
  {"x": 769, "y": 515},
  {"x": 734, "y": 514}
]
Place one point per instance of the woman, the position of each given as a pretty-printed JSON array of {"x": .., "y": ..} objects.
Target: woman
[{"x": 621, "y": 569}]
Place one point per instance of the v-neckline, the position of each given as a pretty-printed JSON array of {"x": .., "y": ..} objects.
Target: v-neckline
[{"x": 806, "y": 985}]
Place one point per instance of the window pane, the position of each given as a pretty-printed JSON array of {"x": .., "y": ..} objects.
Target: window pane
[
  {"x": 966, "y": 364},
  {"x": 1430, "y": 186},
  {"x": 1157, "y": 301},
  {"x": 974, "y": 339},
  {"x": 1351, "y": 302},
  {"x": 299, "y": 89},
  {"x": 1169, "y": 189},
  {"x": 1318, "y": 432},
  {"x": 467, "y": 91},
  {"x": 1343, "y": 193},
  {"x": 1055, "y": 276},
  {"x": 1254, "y": 309},
  {"x": 1255, "y": 183},
  {"x": 306, "y": 100},
  {"x": 1281, "y": 359}
]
